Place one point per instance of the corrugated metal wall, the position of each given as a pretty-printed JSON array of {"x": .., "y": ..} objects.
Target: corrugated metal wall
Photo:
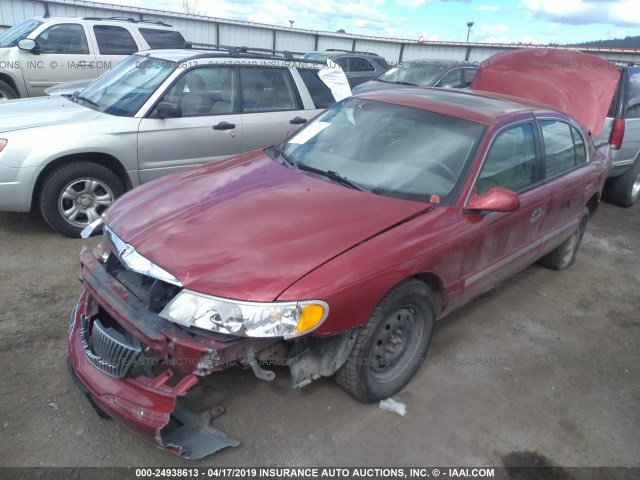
[{"x": 229, "y": 32}]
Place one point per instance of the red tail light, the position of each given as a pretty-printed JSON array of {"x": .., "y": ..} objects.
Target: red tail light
[{"x": 617, "y": 133}]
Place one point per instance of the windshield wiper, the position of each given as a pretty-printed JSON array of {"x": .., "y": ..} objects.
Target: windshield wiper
[
  {"x": 76, "y": 96},
  {"x": 90, "y": 102},
  {"x": 287, "y": 161},
  {"x": 335, "y": 176}
]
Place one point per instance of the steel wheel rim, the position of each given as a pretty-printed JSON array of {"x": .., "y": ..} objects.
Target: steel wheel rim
[
  {"x": 568, "y": 253},
  {"x": 84, "y": 200},
  {"x": 396, "y": 342},
  {"x": 635, "y": 188}
]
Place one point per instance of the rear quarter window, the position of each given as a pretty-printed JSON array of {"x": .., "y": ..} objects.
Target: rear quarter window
[
  {"x": 320, "y": 93},
  {"x": 633, "y": 102},
  {"x": 157, "y": 38},
  {"x": 114, "y": 40}
]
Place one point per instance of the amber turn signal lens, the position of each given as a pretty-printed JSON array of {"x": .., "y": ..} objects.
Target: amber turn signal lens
[{"x": 310, "y": 316}]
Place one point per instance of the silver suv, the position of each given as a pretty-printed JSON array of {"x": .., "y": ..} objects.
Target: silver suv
[
  {"x": 156, "y": 113},
  {"x": 42, "y": 52},
  {"x": 622, "y": 130}
]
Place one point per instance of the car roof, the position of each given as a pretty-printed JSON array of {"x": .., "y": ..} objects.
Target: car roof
[
  {"x": 484, "y": 108},
  {"x": 418, "y": 62},
  {"x": 344, "y": 53},
  {"x": 183, "y": 54},
  {"x": 130, "y": 21}
]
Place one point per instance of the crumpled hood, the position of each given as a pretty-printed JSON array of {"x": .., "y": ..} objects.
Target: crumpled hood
[
  {"x": 575, "y": 83},
  {"x": 42, "y": 111},
  {"x": 248, "y": 228}
]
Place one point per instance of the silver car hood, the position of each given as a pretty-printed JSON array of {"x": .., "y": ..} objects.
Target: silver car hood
[{"x": 43, "y": 111}]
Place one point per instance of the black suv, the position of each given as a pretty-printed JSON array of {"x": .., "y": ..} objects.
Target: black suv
[{"x": 359, "y": 67}]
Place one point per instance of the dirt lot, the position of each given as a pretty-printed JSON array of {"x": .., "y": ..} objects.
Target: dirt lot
[{"x": 543, "y": 369}]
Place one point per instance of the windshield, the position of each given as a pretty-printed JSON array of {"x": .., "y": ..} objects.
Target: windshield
[
  {"x": 11, "y": 37},
  {"x": 123, "y": 90},
  {"x": 421, "y": 74},
  {"x": 390, "y": 150}
]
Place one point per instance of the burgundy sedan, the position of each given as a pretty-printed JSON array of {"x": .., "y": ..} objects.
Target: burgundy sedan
[{"x": 336, "y": 252}]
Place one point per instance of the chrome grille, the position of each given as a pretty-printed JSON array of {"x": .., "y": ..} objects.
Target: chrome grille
[{"x": 109, "y": 351}]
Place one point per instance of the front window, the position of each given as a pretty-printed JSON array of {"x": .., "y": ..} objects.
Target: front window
[
  {"x": 11, "y": 37},
  {"x": 204, "y": 91},
  {"x": 418, "y": 73},
  {"x": 390, "y": 150},
  {"x": 511, "y": 163},
  {"x": 123, "y": 90},
  {"x": 317, "y": 56},
  {"x": 68, "y": 38}
]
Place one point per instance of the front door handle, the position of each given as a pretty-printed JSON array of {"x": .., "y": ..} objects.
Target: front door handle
[
  {"x": 297, "y": 121},
  {"x": 224, "y": 126}
]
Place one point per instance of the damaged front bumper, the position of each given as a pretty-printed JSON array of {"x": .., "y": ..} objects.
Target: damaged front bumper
[{"x": 125, "y": 386}]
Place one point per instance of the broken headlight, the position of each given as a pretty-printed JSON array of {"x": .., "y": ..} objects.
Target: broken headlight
[{"x": 250, "y": 319}]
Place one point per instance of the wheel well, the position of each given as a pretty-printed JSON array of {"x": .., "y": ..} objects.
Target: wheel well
[
  {"x": 9, "y": 81},
  {"x": 593, "y": 204},
  {"x": 103, "y": 159},
  {"x": 435, "y": 284}
]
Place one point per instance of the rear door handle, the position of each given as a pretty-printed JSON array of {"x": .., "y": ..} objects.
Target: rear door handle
[
  {"x": 297, "y": 121},
  {"x": 224, "y": 126},
  {"x": 536, "y": 214}
]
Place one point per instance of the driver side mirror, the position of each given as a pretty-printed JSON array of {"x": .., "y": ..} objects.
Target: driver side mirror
[
  {"x": 497, "y": 199},
  {"x": 168, "y": 110},
  {"x": 28, "y": 44}
]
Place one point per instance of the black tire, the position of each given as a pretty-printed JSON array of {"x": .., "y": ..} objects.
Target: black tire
[
  {"x": 564, "y": 254},
  {"x": 7, "y": 92},
  {"x": 93, "y": 188},
  {"x": 391, "y": 345},
  {"x": 624, "y": 190}
]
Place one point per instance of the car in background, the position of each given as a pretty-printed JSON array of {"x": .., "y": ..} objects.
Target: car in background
[
  {"x": 359, "y": 67},
  {"x": 39, "y": 53},
  {"x": 622, "y": 131},
  {"x": 157, "y": 112},
  {"x": 423, "y": 73},
  {"x": 335, "y": 252}
]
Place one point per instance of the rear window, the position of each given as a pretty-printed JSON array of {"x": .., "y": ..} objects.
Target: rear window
[
  {"x": 162, "y": 38},
  {"x": 320, "y": 93},
  {"x": 563, "y": 147},
  {"x": 360, "y": 64}
]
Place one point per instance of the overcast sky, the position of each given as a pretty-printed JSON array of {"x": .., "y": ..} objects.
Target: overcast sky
[{"x": 529, "y": 21}]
